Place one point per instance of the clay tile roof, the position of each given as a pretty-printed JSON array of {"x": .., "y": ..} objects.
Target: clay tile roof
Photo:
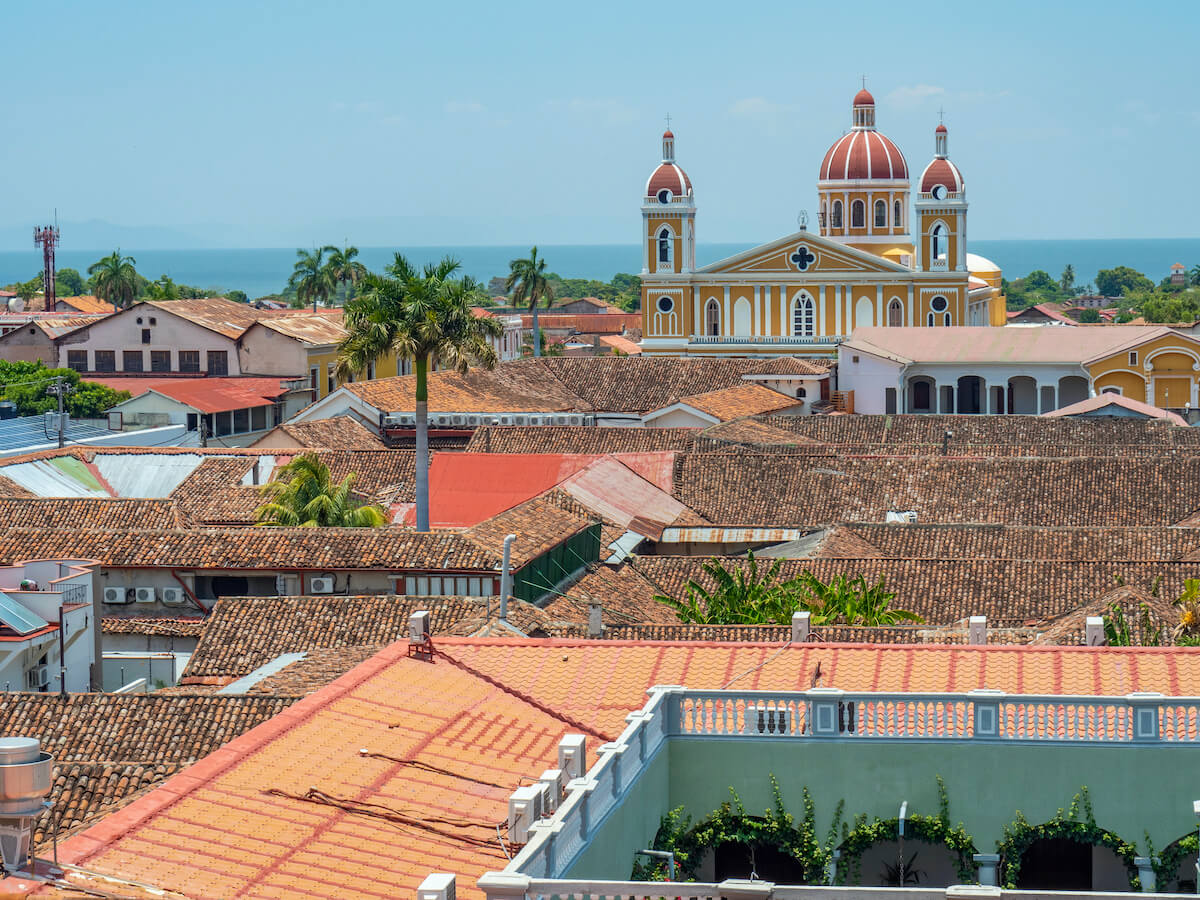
[
  {"x": 571, "y": 439},
  {"x": 585, "y": 323},
  {"x": 244, "y": 633},
  {"x": 60, "y": 325},
  {"x": 316, "y": 669},
  {"x": 335, "y": 433},
  {"x": 1147, "y": 615},
  {"x": 153, "y": 626},
  {"x": 448, "y": 714},
  {"x": 539, "y": 524},
  {"x": 108, "y": 747},
  {"x": 1102, "y": 401},
  {"x": 114, "y": 513},
  {"x": 740, "y": 400}
]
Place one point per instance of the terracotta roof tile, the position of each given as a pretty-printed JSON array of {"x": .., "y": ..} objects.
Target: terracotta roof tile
[
  {"x": 153, "y": 626},
  {"x": 336, "y": 433},
  {"x": 573, "y": 439},
  {"x": 115, "y": 513},
  {"x": 214, "y": 313},
  {"x": 739, "y": 400},
  {"x": 448, "y": 715}
]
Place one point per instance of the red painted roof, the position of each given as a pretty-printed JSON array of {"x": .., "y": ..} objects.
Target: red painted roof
[
  {"x": 941, "y": 129},
  {"x": 668, "y": 133},
  {"x": 468, "y": 488},
  {"x": 205, "y": 395},
  {"x": 585, "y": 323},
  {"x": 671, "y": 177},
  {"x": 864, "y": 98},
  {"x": 941, "y": 171},
  {"x": 864, "y": 154}
]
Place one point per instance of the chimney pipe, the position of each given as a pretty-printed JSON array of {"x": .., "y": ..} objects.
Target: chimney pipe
[{"x": 506, "y": 577}]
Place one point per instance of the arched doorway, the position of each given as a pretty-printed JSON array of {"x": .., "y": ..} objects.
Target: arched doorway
[
  {"x": 970, "y": 395},
  {"x": 922, "y": 391},
  {"x": 1072, "y": 389},
  {"x": 1179, "y": 859},
  {"x": 1022, "y": 396},
  {"x": 1063, "y": 864}
]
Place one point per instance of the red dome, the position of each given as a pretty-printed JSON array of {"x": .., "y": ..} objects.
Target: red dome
[
  {"x": 668, "y": 133},
  {"x": 670, "y": 177},
  {"x": 941, "y": 171},
  {"x": 865, "y": 154},
  {"x": 941, "y": 129},
  {"x": 864, "y": 98}
]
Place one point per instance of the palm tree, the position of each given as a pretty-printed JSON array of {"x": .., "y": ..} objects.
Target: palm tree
[
  {"x": 1195, "y": 273},
  {"x": 421, "y": 315},
  {"x": 527, "y": 282},
  {"x": 343, "y": 266},
  {"x": 1067, "y": 281},
  {"x": 115, "y": 279},
  {"x": 304, "y": 495},
  {"x": 312, "y": 278}
]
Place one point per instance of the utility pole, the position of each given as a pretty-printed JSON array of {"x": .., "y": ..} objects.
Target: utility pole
[
  {"x": 60, "y": 389},
  {"x": 203, "y": 431}
]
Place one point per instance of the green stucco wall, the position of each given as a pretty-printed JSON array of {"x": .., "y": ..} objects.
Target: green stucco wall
[
  {"x": 1134, "y": 789},
  {"x": 630, "y": 827}
]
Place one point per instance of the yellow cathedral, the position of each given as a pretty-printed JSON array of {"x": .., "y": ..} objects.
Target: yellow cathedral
[{"x": 882, "y": 258}]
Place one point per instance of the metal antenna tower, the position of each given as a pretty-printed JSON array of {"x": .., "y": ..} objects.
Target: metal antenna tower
[{"x": 47, "y": 238}]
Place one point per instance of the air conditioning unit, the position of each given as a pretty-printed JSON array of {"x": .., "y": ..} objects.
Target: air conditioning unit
[
  {"x": 145, "y": 595},
  {"x": 321, "y": 585},
  {"x": 37, "y": 678},
  {"x": 115, "y": 594},
  {"x": 506, "y": 420},
  {"x": 562, "y": 420},
  {"x": 520, "y": 420},
  {"x": 52, "y": 422},
  {"x": 574, "y": 420},
  {"x": 473, "y": 420},
  {"x": 173, "y": 596},
  {"x": 765, "y": 719}
]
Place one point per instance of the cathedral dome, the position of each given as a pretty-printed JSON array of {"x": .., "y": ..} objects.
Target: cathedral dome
[
  {"x": 668, "y": 176},
  {"x": 864, "y": 154},
  {"x": 940, "y": 170}
]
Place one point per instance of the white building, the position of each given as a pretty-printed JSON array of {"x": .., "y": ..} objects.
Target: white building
[{"x": 45, "y": 605}]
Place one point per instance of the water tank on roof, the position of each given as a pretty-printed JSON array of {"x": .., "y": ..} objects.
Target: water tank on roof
[
  {"x": 25, "y": 771},
  {"x": 8, "y": 409},
  {"x": 16, "y": 305}
]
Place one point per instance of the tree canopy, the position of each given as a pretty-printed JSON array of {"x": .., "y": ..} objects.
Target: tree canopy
[
  {"x": 304, "y": 495},
  {"x": 25, "y": 383},
  {"x": 1121, "y": 280}
]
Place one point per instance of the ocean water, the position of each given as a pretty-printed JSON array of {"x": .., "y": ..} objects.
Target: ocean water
[{"x": 265, "y": 271}]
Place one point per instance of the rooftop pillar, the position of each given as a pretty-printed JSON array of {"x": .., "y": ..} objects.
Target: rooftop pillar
[
  {"x": 989, "y": 864},
  {"x": 595, "y": 626},
  {"x": 1145, "y": 867},
  {"x": 977, "y": 630},
  {"x": 503, "y": 885},
  {"x": 1093, "y": 631}
]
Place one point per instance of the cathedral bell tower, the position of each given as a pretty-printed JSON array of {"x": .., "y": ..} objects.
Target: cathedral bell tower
[
  {"x": 941, "y": 213},
  {"x": 668, "y": 217}
]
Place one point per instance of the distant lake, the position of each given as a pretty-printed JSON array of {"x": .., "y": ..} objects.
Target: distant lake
[{"x": 265, "y": 271}]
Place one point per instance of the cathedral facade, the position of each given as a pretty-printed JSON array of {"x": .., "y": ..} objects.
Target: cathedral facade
[{"x": 880, "y": 257}]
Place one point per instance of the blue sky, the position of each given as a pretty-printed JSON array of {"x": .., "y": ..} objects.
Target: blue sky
[{"x": 278, "y": 124}]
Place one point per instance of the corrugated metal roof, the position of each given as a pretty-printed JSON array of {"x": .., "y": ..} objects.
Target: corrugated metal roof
[
  {"x": 144, "y": 474},
  {"x": 61, "y": 477}
]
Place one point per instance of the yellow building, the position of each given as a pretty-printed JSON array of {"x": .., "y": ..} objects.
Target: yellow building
[{"x": 882, "y": 258}]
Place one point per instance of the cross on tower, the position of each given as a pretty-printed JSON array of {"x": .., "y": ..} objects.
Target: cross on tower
[
  {"x": 864, "y": 81},
  {"x": 802, "y": 258},
  {"x": 668, "y": 121},
  {"x": 941, "y": 116}
]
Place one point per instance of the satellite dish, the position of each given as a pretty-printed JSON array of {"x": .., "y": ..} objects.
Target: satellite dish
[{"x": 16, "y": 304}]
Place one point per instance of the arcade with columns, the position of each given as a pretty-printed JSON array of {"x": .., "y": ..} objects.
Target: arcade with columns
[{"x": 880, "y": 258}]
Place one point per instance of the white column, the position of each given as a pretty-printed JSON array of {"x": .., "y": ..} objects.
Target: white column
[
  {"x": 954, "y": 396},
  {"x": 839, "y": 293},
  {"x": 911, "y": 320},
  {"x": 697, "y": 312},
  {"x": 727, "y": 313},
  {"x": 784, "y": 324},
  {"x": 879, "y": 306}
]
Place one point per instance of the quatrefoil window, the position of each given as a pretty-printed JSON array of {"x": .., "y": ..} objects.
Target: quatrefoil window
[{"x": 802, "y": 258}]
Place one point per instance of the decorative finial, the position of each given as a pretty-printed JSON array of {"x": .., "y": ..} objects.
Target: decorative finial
[{"x": 802, "y": 220}]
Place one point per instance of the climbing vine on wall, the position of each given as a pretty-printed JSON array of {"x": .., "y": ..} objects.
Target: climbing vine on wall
[
  {"x": 931, "y": 829},
  {"x": 1167, "y": 866},
  {"x": 1019, "y": 836},
  {"x": 776, "y": 828}
]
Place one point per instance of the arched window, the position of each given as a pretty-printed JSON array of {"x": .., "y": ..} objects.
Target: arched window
[
  {"x": 880, "y": 214},
  {"x": 897, "y": 218},
  {"x": 824, "y": 213},
  {"x": 664, "y": 246},
  {"x": 895, "y": 314},
  {"x": 920, "y": 395},
  {"x": 837, "y": 213},
  {"x": 804, "y": 317},
  {"x": 858, "y": 214},
  {"x": 712, "y": 318},
  {"x": 939, "y": 312},
  {"x": 939, "y": 241}
]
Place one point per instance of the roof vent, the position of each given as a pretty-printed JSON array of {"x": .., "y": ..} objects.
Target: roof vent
[{"x": 24, "y": 783}]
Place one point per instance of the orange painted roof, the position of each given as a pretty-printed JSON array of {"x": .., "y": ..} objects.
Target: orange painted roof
[
  {"x": 86, "y": 303},
  {"x": 487, "y": 715}
]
